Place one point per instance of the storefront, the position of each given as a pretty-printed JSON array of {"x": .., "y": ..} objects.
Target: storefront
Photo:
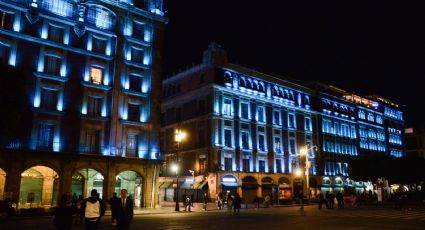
[{"x": 229, "y": 183}]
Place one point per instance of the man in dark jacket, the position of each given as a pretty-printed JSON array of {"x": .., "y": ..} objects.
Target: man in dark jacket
[
  {"x": 94, "y": 209},
  {"x": 124, "y": 211}
]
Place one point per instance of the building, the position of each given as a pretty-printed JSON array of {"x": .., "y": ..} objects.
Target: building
[
  {"x": 250, "y": 132},
  {"x": 415, "y": 142},
  {"x": 89, "y": 75}
]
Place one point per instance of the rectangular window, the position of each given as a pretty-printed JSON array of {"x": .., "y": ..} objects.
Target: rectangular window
[
  {"x": 202, "y": 165},
  {"x": 292, "y": 147},
  {"x": 132, "y": 145},
  {"x": 99, "y": 45},
  {"x": 244, "y": 110},
  {"x": 291, "y": 121},
  {"x": 55, "y": 33},
  {"x": 45, "y": 136},
  {"x": 261, "y": 142},
  {"x": 96, "y": 75},
  {"x": 245, "y": 139},
  {"x": 49, "y": 99},
  {"x": 139, "y": 30},
  {"x": 94, "y": 105},
  {"x": 278, "y": 166},
  {"x": 276, "y": 117},
  {"x": 92, "y": 141},
  {"x": 137, "y": 55},
  {"x": 260, "y": 114},
  {"x": 228, "y": 164},
  {"x": 245, "y": 165},
  {"x": 4, "y": 54},
  {"x": 135, "y": 83},
  {"x": 228, "y": 138},
  {"x": 133, "y": 112},
  {"x": 277, "y": 145},
  {"x": 261, "y": 166},
  {"x": 6, "y": 20},
  {"x": 52, "y": 64},
  {"x": 307, "y": 124},
  {"x": 227, "y": 106}
]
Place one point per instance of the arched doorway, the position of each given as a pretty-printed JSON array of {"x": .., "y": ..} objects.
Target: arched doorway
[
  {"x": 39, "y": 187},
  {"x": 84, "y": 180},
  {"x": 249, "y": 188},
  {"x": 2, "y": 183},
  {"x": 133, "y": 183},
  {"x": 298, "y": 187},
  {"x": 285, "y": 190},
  {"x": 267, "y": 187}
]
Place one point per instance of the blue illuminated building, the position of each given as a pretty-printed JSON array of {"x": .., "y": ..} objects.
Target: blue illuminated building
[
  {"x": 245, "y": 130},
  {"x": 92, "y": 72}
]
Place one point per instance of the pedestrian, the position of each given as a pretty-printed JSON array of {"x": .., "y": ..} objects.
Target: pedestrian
[
  {"x": 63, "y": 214},
  {"x": 187, "y": 204},
  {"x": 320, "y": 200},
  {"x": 237, "y": 204},
  {"x": 80, "y": 210},
  {"x": 113, "y": 204},
  {"x": 331, "y": 200},
  {"x": 205, "y": 201},
  {"x": 327, "y": 197},
  {"x": 94, "y": 209},
  {"x": 257, "y": 202},
  {"x": 229, "y": 201},
  {"x": 267, "y": 200},
  {"x": 74, "y": 200},
  {"x": 340, "y": 200},
  {"x": 124, "y": 211},
  {"x": 218, "y": 198}
]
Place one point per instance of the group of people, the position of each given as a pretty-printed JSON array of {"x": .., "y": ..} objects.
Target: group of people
[
  {"x": 232, "y": 201},
  {"x": 92, "y": 210}
]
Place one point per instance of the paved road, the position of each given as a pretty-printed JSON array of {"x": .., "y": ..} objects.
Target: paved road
[{"x": 270, "y": 218}]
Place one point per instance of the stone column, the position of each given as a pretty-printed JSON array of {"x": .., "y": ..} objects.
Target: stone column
[
  {"x": 47, "y": 191},
  {"x": 13, "y": 183},
  {"x": 2, "y": 183}
]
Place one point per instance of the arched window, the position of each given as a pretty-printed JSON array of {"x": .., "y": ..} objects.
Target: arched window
[
  {"x": 261, "y": 87},
  {"x": 242, "y": 82},
  {"x": 63, "y": 8},
  {"x": 100, "y": 17},
  {"x": 227, "y": 77}
]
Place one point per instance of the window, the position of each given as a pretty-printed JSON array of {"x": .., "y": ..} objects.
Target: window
[
  {"x": 228, "y": 138},
  {"x": 261, "y": 142},
  {"x": 202, "y": 165},
  {"x": 100, "y": 17},
  {"x": 49, "y": 99},
  {"x": 261, "y": 166},
  {"x": 135, "y": 83},
  {"x": 292, "y": 146},
  {"x": 133, "y": 112},
  {"x": 139, "y": 30},
  {"x": 99, "y": 45},
  {"x": 370, "y": 117},
  {"x": 278, "y": 166},
  {"x": 379, "y": 119},
  {"x": 277, "y": 145},
  {"x": 245, "y": 139},
  {"x": 244, "y": 110},
  {"x": 227, "y": 164},
  {"x": 96, "y": 75},
  {"x": 227, "y": 106},
  {"x": 362, "y": 114},
  {"x": 52, "y": 64},
  {"x": 59, "y": 7},
  {"x": 276, "y": 117},
  {"x": 92, "y": 141},
  {"x": 260, "y": 114},
  {"x": 94, "y": 106},
  {"x": 137, "y": 55},
  {"x": 45, "y": 136},
  {"x": 307, "y": 124},
  {"x": 55, "y": 33},
  {"x": 6, "y": 20},
  {"x": 245, "y": 165},
  {"x": 353, "y": 132},
  {"x": 4, "y": 53},
  {"x": 291, "y": 121},
  {"x": 132, "y": 145}
]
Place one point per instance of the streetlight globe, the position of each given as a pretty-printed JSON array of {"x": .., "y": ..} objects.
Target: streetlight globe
[
  {"x": 298, "y": 172},
  {"x": 303, "y": 151},
  {"x": 174, "y": 168}
]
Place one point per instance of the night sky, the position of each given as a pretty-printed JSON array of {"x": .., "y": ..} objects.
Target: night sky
[{"x": 367, "y": 47}]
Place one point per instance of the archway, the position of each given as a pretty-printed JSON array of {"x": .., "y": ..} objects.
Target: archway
[
  {"x": 133, "y": 183},
  {"x": 2, "y": 183},
  {"x": 268, "y": 188},
  {"x": 39, "y": 187},
  {"x": 249, "y": 188},
  {"x": 84, "y": 180}
]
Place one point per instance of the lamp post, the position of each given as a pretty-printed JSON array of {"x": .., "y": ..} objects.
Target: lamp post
[
  {"x": 179, "y": 135},
  {"x": 304, "y": 151}
]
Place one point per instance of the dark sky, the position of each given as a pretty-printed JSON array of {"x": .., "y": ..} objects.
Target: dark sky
[{"x": 368, "y": 47}]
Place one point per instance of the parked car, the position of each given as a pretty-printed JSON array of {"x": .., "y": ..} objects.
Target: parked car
[{"x": 7, "y": 208}]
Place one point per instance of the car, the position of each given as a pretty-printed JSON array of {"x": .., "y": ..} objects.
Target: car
[{"x": 7, "y": 208}]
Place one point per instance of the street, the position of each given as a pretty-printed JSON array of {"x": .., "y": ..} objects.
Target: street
[{"x": 263, "y": 218}]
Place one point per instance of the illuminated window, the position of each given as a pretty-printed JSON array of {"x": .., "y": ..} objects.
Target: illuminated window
[
  {"x": 45, "y": 136},
  {"x": 292, "y": 146},
  {"x": 260, "y": 114},
  {"x": 60, "y": 7},
  {"x": 96, "y": 75},
  {"x": 276, "y": 117},
  {"x": 307, "y": 126},
  {"x": 6, "y": 20},
  {"x": 227, "y": 106},
  {"x": 100, "y": 17},
  {"x": 261, "y": 142},
  {"x": 277, "y": 145},
  {"x": 291, "y": 121}
]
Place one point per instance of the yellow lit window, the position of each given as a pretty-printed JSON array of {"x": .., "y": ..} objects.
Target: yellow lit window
[{"x": 96, "y": 75}]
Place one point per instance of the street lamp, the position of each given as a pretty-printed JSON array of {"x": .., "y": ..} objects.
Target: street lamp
[
  {"x": 175, "y": 168},
  {"x": 304, "y": 151},
  {"x": 179, "y": 135}
]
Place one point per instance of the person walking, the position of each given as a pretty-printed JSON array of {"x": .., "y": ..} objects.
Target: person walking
[
  {"x": 205, "y": 201},
  {"x": 218, "y": 198},
  {"x": 229, "y": 202},
  {"x": 124, "y": 211},
  {"x": 94, "y": 209},
  {"x": 187, "y": 204},
  {"x": 237, "y": 204},
  {"x": 113, "y": 204},
  {"x": 63, "y": 214}
]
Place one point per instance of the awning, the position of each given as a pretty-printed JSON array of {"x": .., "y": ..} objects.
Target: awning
[
  {"x": 202, "y": 184},
  {"x": 250, "y": 186},
  {"x": 186, "y": 185},
  {"x": 230, "y": 184},
  {"x": 166, "y": 184},
  {"x": 268, "y": 185}
]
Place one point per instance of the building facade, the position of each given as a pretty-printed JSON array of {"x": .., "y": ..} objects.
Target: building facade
[
  {"x": 415, "y": 142},
  {"x": 250, "y": 132},
  {"x": 91, "y": 72}
]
